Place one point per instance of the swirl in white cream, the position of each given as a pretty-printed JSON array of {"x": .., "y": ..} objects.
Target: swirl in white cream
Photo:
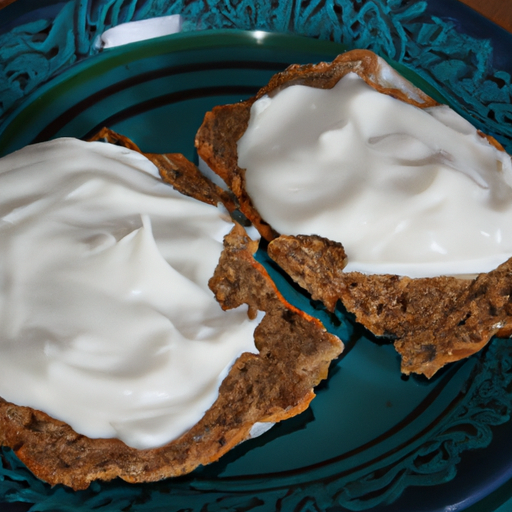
[
  {"x": 407, "y": 191},
  {"x": 106, "y": 319}
]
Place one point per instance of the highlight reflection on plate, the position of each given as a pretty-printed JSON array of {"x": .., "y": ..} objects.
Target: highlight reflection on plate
[{"x": 371, "y": 437}]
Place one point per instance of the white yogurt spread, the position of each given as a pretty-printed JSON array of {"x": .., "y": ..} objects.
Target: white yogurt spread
[
  {"x": 407, "y": 191},
  {"x": 106, "y": 319}
]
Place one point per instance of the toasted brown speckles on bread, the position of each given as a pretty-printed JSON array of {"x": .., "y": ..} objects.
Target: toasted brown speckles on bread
[
  {"x": 433, "y": 321},
  {"x": 176, "y": 170},
  {"x": 295, "y": 353}
]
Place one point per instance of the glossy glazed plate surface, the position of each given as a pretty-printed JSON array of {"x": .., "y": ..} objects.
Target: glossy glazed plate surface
[{"x": 371, "y": 437}]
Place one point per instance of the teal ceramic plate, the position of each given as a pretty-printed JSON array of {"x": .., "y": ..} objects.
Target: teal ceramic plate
[{"x": 371, "y": 436}]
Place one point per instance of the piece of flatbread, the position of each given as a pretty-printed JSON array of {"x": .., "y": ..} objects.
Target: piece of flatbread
[
  {"x": 434, "y": 321},
  {"x": 295, "y": 352}
]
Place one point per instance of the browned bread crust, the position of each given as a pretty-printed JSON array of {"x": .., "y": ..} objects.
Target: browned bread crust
[
  {"x": 295, "y": 353},
  {"x": 175, "y": 170},
  {"x": 433, "y": 321}
]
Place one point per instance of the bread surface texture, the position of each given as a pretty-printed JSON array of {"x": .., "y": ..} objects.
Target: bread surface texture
[{"x": 432, "y": 321}]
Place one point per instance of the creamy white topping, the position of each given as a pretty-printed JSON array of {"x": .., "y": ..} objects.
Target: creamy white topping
[
  {"x": 407, "y": 191},
  {"x": 106, "y": 319}
]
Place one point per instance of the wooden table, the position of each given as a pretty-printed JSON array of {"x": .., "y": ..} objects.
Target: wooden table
[{"x": 499, "y": 11}]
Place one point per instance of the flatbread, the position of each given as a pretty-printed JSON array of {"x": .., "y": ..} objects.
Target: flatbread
[
  {"x": 295, "y": 354},
  {"x": 422, "y": 315}
]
